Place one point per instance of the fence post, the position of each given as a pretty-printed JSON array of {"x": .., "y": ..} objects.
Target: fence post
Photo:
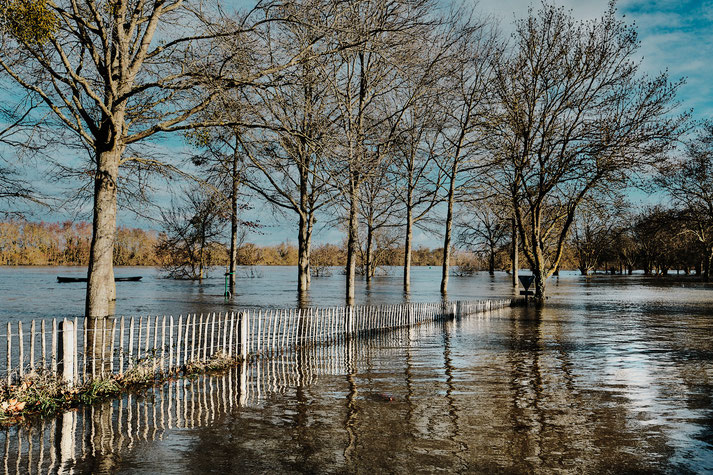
[
  {"x": 244, "y": 335},
  {"x": 9, "y": 354},
  {"x": 66, "y": 350},
  {"x": 350, "y": 320},
  {"x": 21, "y": 342}
]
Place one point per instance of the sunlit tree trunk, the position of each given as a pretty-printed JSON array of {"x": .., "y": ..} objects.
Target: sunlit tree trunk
[
  {"x": 101, "y": 289},
  {"x": 369, "y": 253},
  {"x": 353, "y": 239},
  {"x": 233, "y": 226},
  {"x": 408, "y": 244},
  {"x": 447, "y": 235},
  {"x": 303, "y": 244},
  {"x": 515, "y": 254}
]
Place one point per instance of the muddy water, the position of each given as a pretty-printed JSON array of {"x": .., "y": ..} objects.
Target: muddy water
[{"x": 613, "y": 376}]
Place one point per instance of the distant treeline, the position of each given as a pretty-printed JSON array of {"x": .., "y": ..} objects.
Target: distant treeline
[{"x": 67, "y": 244}]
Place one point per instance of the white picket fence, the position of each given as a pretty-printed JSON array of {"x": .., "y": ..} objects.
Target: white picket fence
[{"x": 82, "y": 349}]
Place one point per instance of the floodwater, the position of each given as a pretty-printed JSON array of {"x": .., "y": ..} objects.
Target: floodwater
[
  {"x": 33, "y": 292},
  {"x": 615, "y": 375}
]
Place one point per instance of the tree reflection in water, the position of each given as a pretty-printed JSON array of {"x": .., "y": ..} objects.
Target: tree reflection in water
[{"x": 521, "y": 390}]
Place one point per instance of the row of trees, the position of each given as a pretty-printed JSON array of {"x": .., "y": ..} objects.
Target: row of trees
[
  {"x": 420, "y": 132},
  {"x": 655, "y": 239},
  {"x": 606, "y": 233},
  {"x": 379, "y": 116},
  {"x": 31, "y": 243}
]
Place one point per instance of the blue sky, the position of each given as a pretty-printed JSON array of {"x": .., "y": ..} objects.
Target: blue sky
[{"x": 675, "y": 35}]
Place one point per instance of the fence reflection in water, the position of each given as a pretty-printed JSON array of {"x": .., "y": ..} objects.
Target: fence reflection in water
[{"x": 100, "y": 432}]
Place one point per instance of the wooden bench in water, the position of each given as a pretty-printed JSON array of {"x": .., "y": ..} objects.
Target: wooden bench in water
[{"x": 84, "y": 279}]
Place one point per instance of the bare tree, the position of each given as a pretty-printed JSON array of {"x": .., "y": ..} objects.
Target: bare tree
[
  {"x": 363, "y": 79},
  {"x": 287, "y": 156},
  {"x": 418, "y": 177},
  {"x": 465, "y": 98},
  {"x": 223, "y": 168},
  {"x": 192, "y": 230},
  {"x": 595, "y": 228},
  {"x": 483, "y": 226},
  {"x": 378, "y": 210},
  {"x": 688, "y": 179},
  {"x": 375, "y": 254},
  {"x": 573, "y": 116},
  {"x": 118, "y": 75}
]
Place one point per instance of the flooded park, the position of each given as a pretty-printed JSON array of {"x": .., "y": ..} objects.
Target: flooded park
[
  {"x": 614, "y": 374},
  {"x": 285, "y": 236}
]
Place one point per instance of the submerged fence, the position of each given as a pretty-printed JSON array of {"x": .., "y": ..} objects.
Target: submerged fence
[
  {"x": 80, "y": 350},
  {"x": 102, "y": 432}
]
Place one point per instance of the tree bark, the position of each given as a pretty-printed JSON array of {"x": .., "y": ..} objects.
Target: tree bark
[
  {"x": 101, "y": 289},
  {"x": 353, "y": 238},
  {"x": 408, "y": 246},
  {"x": 538, "y": 269},
  {"x": 303, "y": 255},
  {"x": 308, "y": 250},
  {"x": 515, "y": 260},
  {"x": 447, "y": 237},
  {"x": 233, "y": 228},
  {"x": 304, "y": 244},
  {"x": 540, "y": 280},
  {"x": 369, "y": 258},
  {"x": 491, "y": 262}
]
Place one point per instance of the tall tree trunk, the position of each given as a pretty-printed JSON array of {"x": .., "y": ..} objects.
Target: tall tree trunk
[
  {"x": 353, "y": 239},
  {"x": 201, "y": 260},
  {"x": 101, "y": 289},
  {"x": 515, "y": 258},
  {"x": 408, "y": 246},
  {"x": 540, "y": 277},
  {"x": 302, "y": 256},
  {"x": 369, "y": 257},
  {"x": 310, "y": 228},
  {"x": 303, "y": 277},
  {"x": 447, "y": 238},
  {"x": 538, "y": 269},
  {"x": 491, "y": 262},
  {"x": 233, "y": 228}
]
